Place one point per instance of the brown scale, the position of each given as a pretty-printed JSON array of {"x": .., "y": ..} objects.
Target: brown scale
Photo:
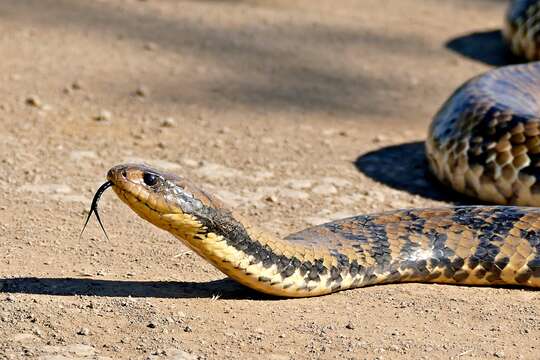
[
  {"x": 497, "y": 129},
  {"x": 521, "y": 28},
  {"x": 462, "y": 245}
]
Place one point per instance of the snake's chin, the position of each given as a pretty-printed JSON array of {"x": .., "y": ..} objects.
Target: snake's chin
[{"x": 182, "y": 225}]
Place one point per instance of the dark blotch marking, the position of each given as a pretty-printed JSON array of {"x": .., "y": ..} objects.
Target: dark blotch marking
[
  {"x": 491, "y": 226},
  {"x": 414, "y": 226},
  {"x": 288, "y": 271},
  {"x": 534, "y": 265},
  {"x": 305, "y": 267},
  {"x": 480, "y": 273},
  {"x": 433, "y": 275},
  {"x": 501, "y": 263},
  {"x": 380, "y": 247},
  {"x": 523, "y": 277},
  {"x": 393, "y": 276},
  {"x": 334, "y": 273},
  {"x": 313, "y": 274},
  {"x": 460, "y": 275}
]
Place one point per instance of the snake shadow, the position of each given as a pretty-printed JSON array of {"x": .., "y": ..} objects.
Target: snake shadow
[
  {"x": 487, "y": 47},
  {"x": 405, "y": 167},
  {"x": 223, "y": 288}
]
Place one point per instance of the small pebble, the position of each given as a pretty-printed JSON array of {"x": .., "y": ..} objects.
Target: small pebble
[
  {"x": 76, "y": 85},
  {"x": 499, "y": 354},
  {"x": 168, "y": 122},
  {"x": 299, "y": 184},
  {"x": 150, "y": 46},
  {"x": 142, "y": 91},
  {"x": 188, "y": 329},
  {"x": 350, "y": 326},
  {"x": 191, "y": 162},
  {"x": 34, "y": 101},
  {"x": 271, "y": 199},
  {"x": 81, "y": 350},
  {"x": 325, "y": 189},
  {"x": 379, "y": 138},
  {"x": 152, "y": 325},
  {"x": 104, "y": 115},
  {"x": 83, "y": 331}
]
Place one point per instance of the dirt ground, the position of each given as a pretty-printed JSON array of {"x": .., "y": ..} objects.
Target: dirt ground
[{"x": 294, "y": 112}]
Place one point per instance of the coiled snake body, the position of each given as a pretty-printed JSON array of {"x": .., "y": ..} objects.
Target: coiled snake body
[
  {"x": 484, "y": 142},
  {"x": 522, "y": 28}
]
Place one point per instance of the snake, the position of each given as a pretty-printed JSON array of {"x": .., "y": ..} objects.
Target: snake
[
  {"x": 521, "y": 30},
  {"x": 469, "y": 245},
  {"x": 483, "y": 142}
]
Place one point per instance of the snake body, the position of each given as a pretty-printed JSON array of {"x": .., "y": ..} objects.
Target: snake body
[
  {"x": 522, "y": 28},
  {"x": 484, "y": 142},
  {"x": 463, "y": 245}
]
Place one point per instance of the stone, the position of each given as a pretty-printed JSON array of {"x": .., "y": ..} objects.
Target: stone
[
  {"x": 168, "y": 122},
  {"x": 81, "y": 349},
  {"x": 325, "y": 189},
  {"x": 83, "y": 331},
  {"x": 33, "y": 100},
  {"x": 299, "y": 184},
  {"x": 142, "y": 91},
  {"x": 76, "y": 85},
  {"x": 23, "y": 337},
  {"x": 150, "y": 46},
  {"x": 152, "y": 325},
  {"x": 176, "y": 354},
  {"x": 104, "y": 115},
  {"x": 293, "y": 194}
]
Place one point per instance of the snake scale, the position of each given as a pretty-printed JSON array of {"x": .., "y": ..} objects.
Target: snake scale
[{"x": 484, "y": 142}]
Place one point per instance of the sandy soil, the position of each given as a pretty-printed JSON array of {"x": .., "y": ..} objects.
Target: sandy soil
[{"x": 293, "y": 112}]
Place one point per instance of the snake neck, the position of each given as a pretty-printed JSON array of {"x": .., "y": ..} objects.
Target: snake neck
[{"x": 259, "y": 260}]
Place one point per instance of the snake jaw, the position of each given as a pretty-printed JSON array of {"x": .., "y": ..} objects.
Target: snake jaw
[{"x": 169, "y": 202}]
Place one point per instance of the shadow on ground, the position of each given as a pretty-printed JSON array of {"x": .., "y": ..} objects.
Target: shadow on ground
[
  {"x": 305, "y": 72},
  {"x": 404, "y": 167},
  {"x": 224, "y": 288},
  {"x": 487, "y": 47}
]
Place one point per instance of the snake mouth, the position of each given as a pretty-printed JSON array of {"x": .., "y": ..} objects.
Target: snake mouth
[
  {"x": 141, "y": 186},
  {"x": 130, "y": 183},
  {"x": 165, "y": 200}
]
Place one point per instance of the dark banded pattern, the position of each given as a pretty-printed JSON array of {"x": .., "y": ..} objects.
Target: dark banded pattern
[
  {"x": 485, "y": 139},
  {"x": 472, "y": 245},
  {"x": 522, "y": 28}
]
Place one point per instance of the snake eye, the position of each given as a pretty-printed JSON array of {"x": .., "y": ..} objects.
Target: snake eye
[{"x": 150, "y": 179}]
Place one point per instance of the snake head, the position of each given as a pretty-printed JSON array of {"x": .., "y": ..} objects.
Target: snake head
[{"x": 166, "y": 200}]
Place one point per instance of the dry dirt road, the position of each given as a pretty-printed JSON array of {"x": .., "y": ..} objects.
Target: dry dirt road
[{"x": 295, "y": 112}]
